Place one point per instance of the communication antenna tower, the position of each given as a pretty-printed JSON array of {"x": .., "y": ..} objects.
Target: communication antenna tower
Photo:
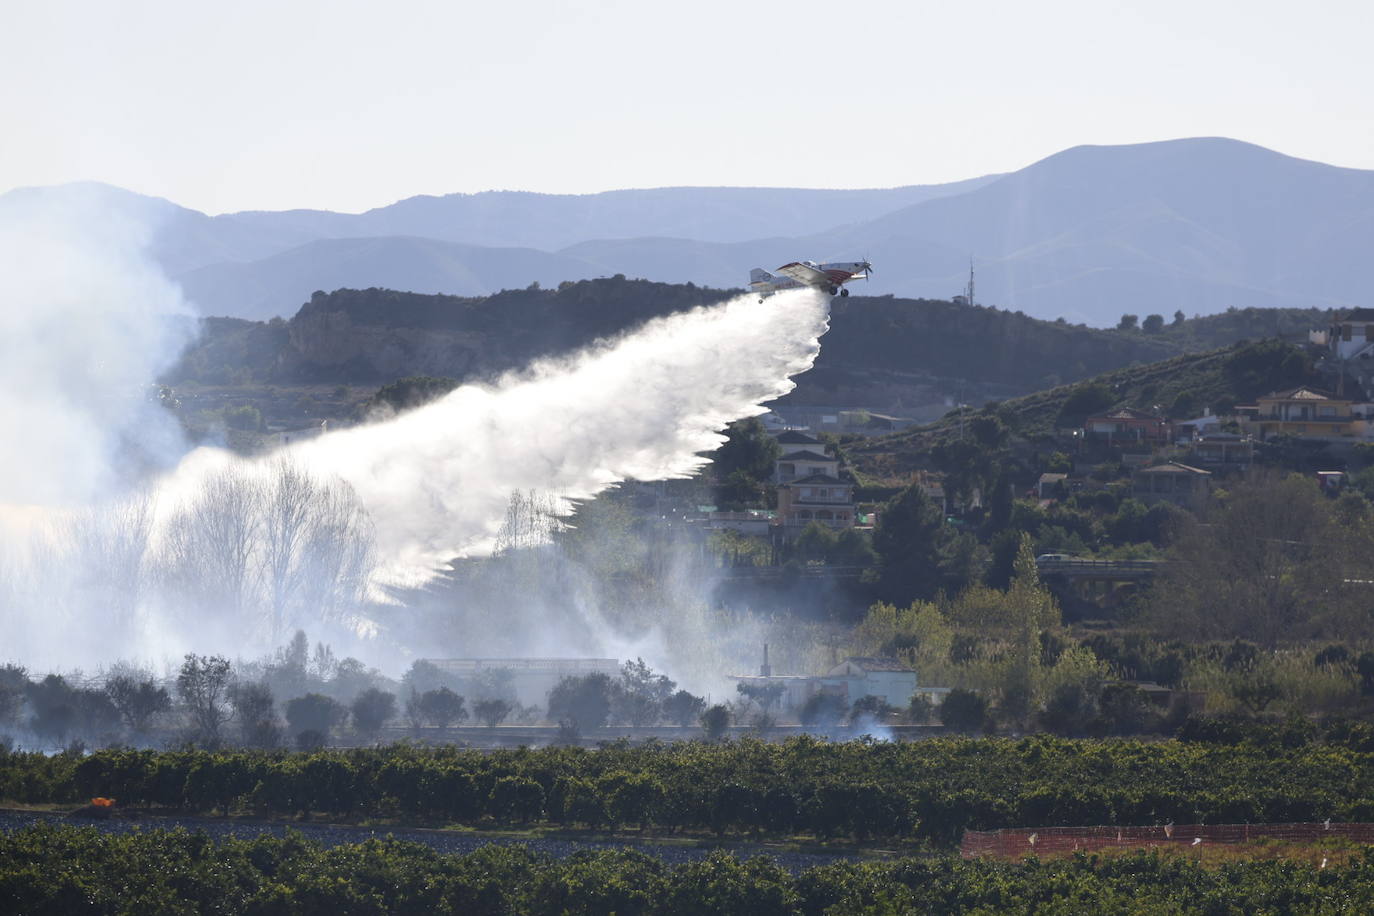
[{"x": 969, "y": 291}]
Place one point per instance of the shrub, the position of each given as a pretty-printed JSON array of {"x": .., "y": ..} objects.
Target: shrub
[{"x": 964, "y": 710}]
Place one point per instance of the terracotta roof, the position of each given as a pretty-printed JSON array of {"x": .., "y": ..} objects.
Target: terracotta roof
[
  {"x": 1126, "y": 413},
  {"x": 1303, "y": 393},
  {"x": 1174, "y": 467}
]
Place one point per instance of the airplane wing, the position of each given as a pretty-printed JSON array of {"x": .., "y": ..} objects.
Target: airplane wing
[{"x": 804, "y": 273}]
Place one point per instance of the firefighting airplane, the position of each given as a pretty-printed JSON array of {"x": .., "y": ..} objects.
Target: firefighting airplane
[{"x": 829, "y": 277}]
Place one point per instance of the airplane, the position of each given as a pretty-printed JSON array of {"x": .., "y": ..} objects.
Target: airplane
[{"x": 829, "y": 277}]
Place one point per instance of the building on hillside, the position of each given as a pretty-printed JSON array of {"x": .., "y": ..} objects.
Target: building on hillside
[
  {"x": 1186, "y": 431},
  {"x": 1222, "y": 452},
  {"x": 1352, "y": 335},
  {"x": 818, "y": 498},
  {"x": 1128, "y": 424},
  {"x": 1051, "y": 485},
  {"x": 1180, "y": 484},
  {"x": 932, "y": 484},
  {"x": 1306, "y": 412},
  {"x": 810, "y": 488},
  {"x": 805, "y": 463},
  {"x": 530, "y": 678},
  {"x": 798, "y": 442},
  {"x": 857, "y": 420},
  {"x": 1332, "y": 483},
  {"x": 888, "y": 679}
]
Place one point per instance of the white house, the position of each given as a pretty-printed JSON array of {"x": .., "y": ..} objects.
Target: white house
[
  {"x": 889, "y": 679},
  {"x": 1352, "y": 336}
]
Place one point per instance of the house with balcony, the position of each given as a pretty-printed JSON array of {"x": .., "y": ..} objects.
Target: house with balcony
[
  {"x": 1172, "y": 482},
  {"x": 1127, "y": 424},
  {"x": 1306, "y": 412},
  {"x": 818, "y": 498},
  {"x": 1222, "y": 451}
]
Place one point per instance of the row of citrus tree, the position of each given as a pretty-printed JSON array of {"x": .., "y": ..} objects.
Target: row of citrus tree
[
  {"x": 932, "y": 790},
  {"x": 70, "y": 871}
]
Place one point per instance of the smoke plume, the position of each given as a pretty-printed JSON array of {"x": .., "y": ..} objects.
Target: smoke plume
[{"x": 113, "y": 543}]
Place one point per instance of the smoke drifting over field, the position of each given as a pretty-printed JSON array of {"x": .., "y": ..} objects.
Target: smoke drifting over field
[{"x": 109, "y": 551}]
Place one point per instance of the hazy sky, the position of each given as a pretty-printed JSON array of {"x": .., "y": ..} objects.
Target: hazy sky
[{"x": 345, "y": 105}]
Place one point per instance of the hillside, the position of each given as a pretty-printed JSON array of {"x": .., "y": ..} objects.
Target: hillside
[
  {"x": 373, "y": 336},
  {"x": 1182, "y": 386},
  {"x": 880, "y": 352}
]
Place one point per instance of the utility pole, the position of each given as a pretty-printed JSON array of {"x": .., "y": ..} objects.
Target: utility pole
[{"x": 969, "y": 290}]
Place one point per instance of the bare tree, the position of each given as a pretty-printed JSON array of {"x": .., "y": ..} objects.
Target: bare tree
[
  {"x": 337, "y": 555},
  {"x": 209, "y": 551},
  {"x": 111, "y": 544},
  {"x": 287, "y": 510}
]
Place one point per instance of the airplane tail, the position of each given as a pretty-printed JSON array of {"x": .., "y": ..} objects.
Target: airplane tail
[{"x": 759, "y": 275}]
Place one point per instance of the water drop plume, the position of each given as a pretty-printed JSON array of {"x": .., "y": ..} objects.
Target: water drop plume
[{"x": 645, "y": 405}]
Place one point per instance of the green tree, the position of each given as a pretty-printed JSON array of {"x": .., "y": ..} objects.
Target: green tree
[
  {"x": 202, "y": 685},
  {"x": 138, "y": 700},
  {"x": 908, "y": 539},
  {"x": 442, "y": 707},
  {"x": 963, "y": 710},
  {"x": 315, "y": 712},
  {"x": 714, "y": 722},
  {"x": 372, "y": 709},
  {"x": 491, "y": 712},
  {"x": 1127, "y": 323},
  {"x": 584, "y": 702},
  {"x": 748, "y": 448},
  {"x": 409, "y": 393},
  {"x": 1033, "y": 611},
  {"x": 683, "y": 708},
  {"x": 1085, "y": 401},
  {"x": 1153, "y": 324},
  {"x": 255, "y": 713},
  {"x": 815, "y": 544}
]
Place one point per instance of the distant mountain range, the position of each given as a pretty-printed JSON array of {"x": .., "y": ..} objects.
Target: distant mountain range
[{"x": 1088, "y": 234}]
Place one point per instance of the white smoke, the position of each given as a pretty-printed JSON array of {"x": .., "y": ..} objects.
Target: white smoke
[
  {"x": 93, "y": 569},
  {"x": 86, "y": 324}
]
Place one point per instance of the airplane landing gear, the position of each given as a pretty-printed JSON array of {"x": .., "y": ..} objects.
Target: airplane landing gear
[
  {"x": 844, "y": 292},
  {"x": 832, "y": 290}
]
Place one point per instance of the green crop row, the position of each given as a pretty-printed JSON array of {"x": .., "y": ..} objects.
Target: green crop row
[
  {"x": 67, "y": 870},
  {"x": 928, "y": 790}
]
